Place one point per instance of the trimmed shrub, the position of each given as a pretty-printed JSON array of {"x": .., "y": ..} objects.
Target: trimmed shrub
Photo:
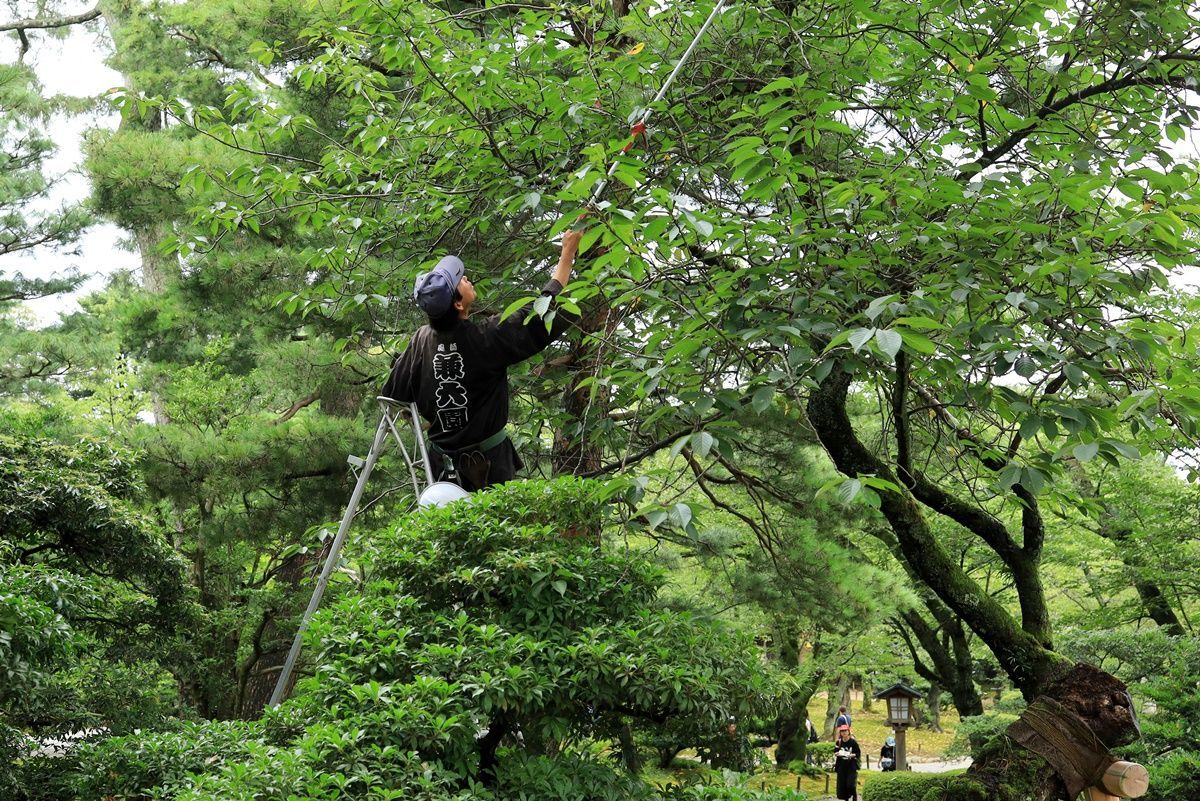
[
  {"x": 1011, "y": 702},
  {"x": 147, "y": 765},
  {"x": 803, "y": 768},
  {"x": 729, "y": 787},
  {"x": 566, "y": 778},
  {"x": 487, "y": 640},
  {"x": 904, "y": 786},
  {"x": 822, "y": 755}
]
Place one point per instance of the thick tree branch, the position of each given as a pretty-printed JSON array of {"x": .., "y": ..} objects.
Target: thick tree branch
[
  {"x": 51, "y": 22},
  {"x": 910, "y": 624},
  {"x": 971, "y": 517},
  {"x": 1049, "y": 109},
  {"x": 1026, "y": 659},
  {"x": 297, "y": 406}
]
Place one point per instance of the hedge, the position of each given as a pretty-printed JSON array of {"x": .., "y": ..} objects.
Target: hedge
[{"x": 905, "y": 786}]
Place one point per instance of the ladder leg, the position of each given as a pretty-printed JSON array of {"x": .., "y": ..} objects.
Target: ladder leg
[
  {"x": 420, "y": 435},
  {"x": 330, "y": 562}
]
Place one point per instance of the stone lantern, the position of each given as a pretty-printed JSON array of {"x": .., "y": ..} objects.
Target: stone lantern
[{"x": 899, "y": 698}]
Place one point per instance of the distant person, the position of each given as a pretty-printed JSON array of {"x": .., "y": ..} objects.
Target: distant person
[
  {"x": 887, "y": 754},
  {"x": 812, "y": 738},
  {"x": 843, "y": 718},
  {"x": 846, "y": 758},
  {"x": 732, "y": 749}
]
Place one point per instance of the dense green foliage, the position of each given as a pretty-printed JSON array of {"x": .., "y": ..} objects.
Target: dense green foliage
[
  {"x": 483, "y": 655},
  {"x": 878, "y": 318},
  {"x": 89, "y": 594},
  {"x": 906, "y": 787},
  {"x": 1170, "y": 744}
]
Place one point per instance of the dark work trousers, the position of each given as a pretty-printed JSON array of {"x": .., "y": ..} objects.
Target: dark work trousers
[{"x": 480, "y": 469}]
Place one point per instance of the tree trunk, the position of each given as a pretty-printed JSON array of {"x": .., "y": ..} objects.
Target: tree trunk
[
  {"x": 933, "y": 699},
  {"x": 260, "y": 672},
  {"x": 573, "y": 453},
  {"x": 1022, "y": 649},
  {"x": 837, "y": 692},
  {"x": 667, "y": 753},
  {"x": 488, "y": 745},
  {"x": 1006, "y": 771},
  {"x": 629, "y": 752},
  {"x": 790, "y": 732},
  {"x": 950, "y": 656}
]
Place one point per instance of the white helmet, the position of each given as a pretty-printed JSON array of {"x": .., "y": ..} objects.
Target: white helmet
[{"x": 441, "y": 493}]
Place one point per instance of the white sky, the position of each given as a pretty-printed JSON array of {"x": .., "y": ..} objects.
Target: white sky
[{"x": 73, "y": 66}]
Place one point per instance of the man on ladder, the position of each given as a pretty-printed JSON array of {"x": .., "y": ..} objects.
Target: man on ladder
[{"x": 456, "y": 370}]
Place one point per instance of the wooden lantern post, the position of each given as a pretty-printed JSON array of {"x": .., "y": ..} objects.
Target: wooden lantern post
[{"x": 899, "y": 698}]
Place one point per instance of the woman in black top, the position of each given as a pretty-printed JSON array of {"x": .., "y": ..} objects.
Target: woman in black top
[
  {"x": 887, "y": 754},
  {"x": 847, "y": 755}
]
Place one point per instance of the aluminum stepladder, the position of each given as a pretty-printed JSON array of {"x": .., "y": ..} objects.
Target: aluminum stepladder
[{"x": 391, "y": 412}]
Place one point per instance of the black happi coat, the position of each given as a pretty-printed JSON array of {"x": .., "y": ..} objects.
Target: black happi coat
[{"x": 459, "y": 378}]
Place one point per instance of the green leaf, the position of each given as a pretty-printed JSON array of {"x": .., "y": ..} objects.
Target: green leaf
[
  {"x": 761, "y": 400},
  {"x": 920, "y": 323},
  {"x": 1009, "y": 476},
  {"x": 1033, "y": 479},
  {"x": 1125, "y": 449},
  {"x": 1086, "y": 451},
  {"x": 848, "y": 490},
  {"x": 877, "y": 306},
  {"x": 656, "y": 517},
  {"x": 859, "y": 337},
  {"x": 514, "y": 307},
  {"x": 682, "y": 514},
  {"x": 889, "y": 341},
  {"x": 918, "y": 342},
  {"x": 777, "y": 85}
]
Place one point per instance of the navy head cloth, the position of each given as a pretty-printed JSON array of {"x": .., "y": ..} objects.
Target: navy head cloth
[{"x": 434, "y": 290}]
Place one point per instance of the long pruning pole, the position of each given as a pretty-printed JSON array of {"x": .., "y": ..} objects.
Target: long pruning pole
[{"x": 639, "y": 127}]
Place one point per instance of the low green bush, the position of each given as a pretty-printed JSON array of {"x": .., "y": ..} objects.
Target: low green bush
[
  {"x": 566, "y": 778},
  {"x": 491, "y": 636},
  {"x": 146, "y": 765},
  {"x": 822, "y": 755},
  {"x": 1011, "y": 702},
  {"x": 1175, "y": 777},
  {"x": 728, "y": 786},
  {"x": 905, "y": 786},
  {"x": 811, "y": 770}
]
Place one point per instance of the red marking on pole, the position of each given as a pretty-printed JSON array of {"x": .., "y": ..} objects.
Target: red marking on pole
[{"x": 637, "y": 130}]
